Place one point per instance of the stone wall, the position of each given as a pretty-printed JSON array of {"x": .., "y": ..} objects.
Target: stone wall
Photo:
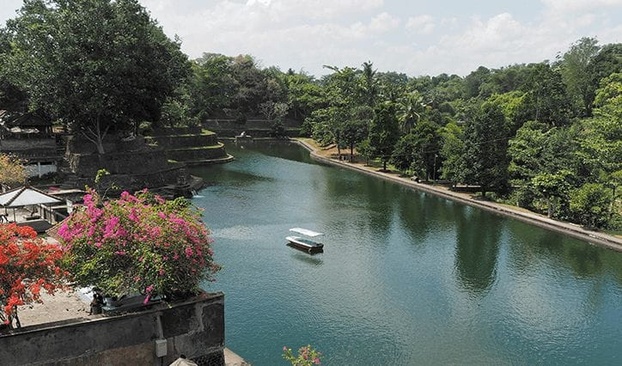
[
  {"x": 28, "y": 144},
  {"x": 192, "y": 146},
  {"x": 183, "y": 141},
  {"x": 252, "y": 126},
  {"x": 155, "y": 336},
  {"x": 197, "y": 155},
  {"x": 125, "y": 162}
]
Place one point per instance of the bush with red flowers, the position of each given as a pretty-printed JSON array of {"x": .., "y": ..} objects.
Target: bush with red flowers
[{"x": 28, "y": 264}]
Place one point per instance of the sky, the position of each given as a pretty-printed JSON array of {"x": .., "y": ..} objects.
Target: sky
[{"x": 414, "y": 37}]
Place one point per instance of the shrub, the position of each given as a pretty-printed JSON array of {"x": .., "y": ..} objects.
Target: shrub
[
  {"x": 138, "y": 244},
  {"x": 307, "y": 356},
  {"x": 27, "y": 265}
]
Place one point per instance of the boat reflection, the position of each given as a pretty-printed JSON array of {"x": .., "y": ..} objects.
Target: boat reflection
[{"x": 313, "y": 260}]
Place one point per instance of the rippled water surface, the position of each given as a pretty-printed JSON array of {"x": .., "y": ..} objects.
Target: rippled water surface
[{"x": 406, "y": 278}]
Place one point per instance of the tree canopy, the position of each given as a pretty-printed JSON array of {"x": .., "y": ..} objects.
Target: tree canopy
[{"x": 99, "y": 66}]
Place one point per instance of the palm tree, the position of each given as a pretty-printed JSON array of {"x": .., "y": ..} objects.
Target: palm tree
[
  {"x": 368, "y": 84},
  {"x": 411, "y": 107}
]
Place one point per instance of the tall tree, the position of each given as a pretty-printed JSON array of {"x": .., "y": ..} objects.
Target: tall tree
[
  {"x": 575, "y": 73},
  {"x": 428, "y": 145},
  {"x": 384, "y": 132},
  {"x": 404, "y": 152},
  {"x": 608, "y": 61},
  {"x": 411, "y": 108},
  {"x": 303, "y": 93},
  {"x": 451, "y": 152},
  {"x": 106, "y": 63},
  {"x": 485, "y": 150},
  {"x": 369, "y": 84},
  {"x": 546, "y": 99},
  {"x": 212, "y": 87},
  {"x": 341, "y": 89},
  {"x": 475, "y": 81}
]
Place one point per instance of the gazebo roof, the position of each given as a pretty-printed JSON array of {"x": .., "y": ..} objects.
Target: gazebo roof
[{"x": 26, "y": 196}]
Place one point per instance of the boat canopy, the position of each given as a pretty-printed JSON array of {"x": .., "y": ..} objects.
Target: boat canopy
[{"x": 306, "y": 232}]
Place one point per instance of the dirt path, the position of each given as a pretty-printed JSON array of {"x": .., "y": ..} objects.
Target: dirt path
[{"x": 329, "y": 156}]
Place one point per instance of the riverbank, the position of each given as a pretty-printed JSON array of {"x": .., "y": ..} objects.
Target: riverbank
[{"x": 592, "y": 237}]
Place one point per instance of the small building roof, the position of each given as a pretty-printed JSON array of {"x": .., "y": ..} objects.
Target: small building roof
[{"x": 26, "y": 196}]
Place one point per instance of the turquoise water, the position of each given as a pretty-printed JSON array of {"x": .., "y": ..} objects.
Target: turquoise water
[{"x": 406, "y": 278}]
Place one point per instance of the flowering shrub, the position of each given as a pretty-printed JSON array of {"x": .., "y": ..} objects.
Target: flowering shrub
[
  {"x": 27, "y": 265},
  {"x": 138, "y": 244},
  {"x": 12, "y": 171},
  {"x": 307, "y": 356}
]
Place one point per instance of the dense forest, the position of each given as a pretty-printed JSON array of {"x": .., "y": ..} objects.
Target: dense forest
[{"x": 545, "y": 136}]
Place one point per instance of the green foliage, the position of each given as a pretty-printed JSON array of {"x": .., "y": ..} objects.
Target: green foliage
[
  {"x": 452, "y": 152},
  {"x": 575, "y": 73},
  {"x": 546, "y": 99},
  {"x": 12, "y": 171},
  {"x": 608, "y": 61},
  {"x": 404, "y": 153},
  {"x": 137, "y": 244},
  {"x": 608, "y": 99},
  {"x": 304, "y": 95},
  {"x": 554, "y": 188},
  {"x": 355, "y": 130},
  {"x": 427, "y": 156},
  {"x": 511, "y": 104},
  {"x": 537, "y": 149},
  {"x": 107, "y": 64},
  {"x": 526, "y": 151},
  {"x": 411, "y": 108},
  {"x": 590, "y": 205},
  {"x": 485, "y": 150},
  {"x": 307, "y": 356},
  {"x": 277, "y": 130},
  {"x": 384, "y": 132}
]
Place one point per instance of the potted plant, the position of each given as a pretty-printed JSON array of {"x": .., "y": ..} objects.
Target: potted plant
[{"x": 138, "y": 244}]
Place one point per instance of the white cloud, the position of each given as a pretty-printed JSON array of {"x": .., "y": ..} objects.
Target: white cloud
[
  {"x": 574, "y": 6},
  {"x": 422, "y": 24},
  {"x": 413, "y": 37},
  {"x": 383, "y": 22},
  {"x": 494, "y": 33},
  {"x": 318, "y": 9}
]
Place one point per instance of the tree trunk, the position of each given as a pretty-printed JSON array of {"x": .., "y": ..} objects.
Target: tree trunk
[{"x": 100, "y": 146}]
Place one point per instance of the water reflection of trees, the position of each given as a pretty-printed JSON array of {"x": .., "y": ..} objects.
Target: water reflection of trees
[
  {"x": 477, "y": 249},
  {"x": 531, "y": 246},
  {"x": 359, "y": 203},
  {"x": 422, "y": 215}
]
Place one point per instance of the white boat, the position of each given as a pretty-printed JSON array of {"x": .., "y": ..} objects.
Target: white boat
[{"x": 305, "y": 244}]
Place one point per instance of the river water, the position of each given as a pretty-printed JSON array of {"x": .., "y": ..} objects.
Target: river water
[{"x": 406, "y": 278}]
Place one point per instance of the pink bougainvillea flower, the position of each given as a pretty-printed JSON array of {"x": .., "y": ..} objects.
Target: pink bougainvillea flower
[{"x": 138, "y": 242}]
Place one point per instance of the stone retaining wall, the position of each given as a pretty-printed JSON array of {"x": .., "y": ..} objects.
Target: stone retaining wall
[
  {"x": 182, "y": 141},
  {"x": 155, "y": 336}
]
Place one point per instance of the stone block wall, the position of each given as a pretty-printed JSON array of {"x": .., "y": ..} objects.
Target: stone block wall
[
  {"x": 135, "y": 162},
  {"x": 192, "y": 146},
  {"x": 191, "y": 155},
  {"x": 183, "y": 141},
  {"x": 194, "y": 328}
]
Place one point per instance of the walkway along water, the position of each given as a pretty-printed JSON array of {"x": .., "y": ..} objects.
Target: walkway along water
[{"x": 592, "y": 237}]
